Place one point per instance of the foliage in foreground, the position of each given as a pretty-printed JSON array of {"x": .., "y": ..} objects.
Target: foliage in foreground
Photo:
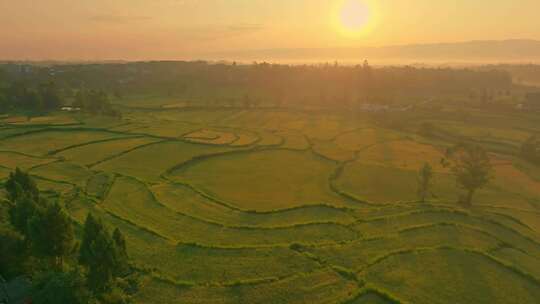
[{"x": 42, "y": 247}]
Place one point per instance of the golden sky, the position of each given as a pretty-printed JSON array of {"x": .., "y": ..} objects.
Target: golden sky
[{"x": 182, "y": 29}]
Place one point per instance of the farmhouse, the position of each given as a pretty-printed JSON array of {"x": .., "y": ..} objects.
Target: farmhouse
[{"x": 71, "y": 109}]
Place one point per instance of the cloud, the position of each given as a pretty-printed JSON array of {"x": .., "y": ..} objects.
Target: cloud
[
  {"x": 217, "y": 32},
  {"x": 245, "y": 27},
  {"x": 118, "y": 19}
]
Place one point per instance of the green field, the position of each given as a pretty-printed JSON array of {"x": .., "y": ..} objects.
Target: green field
[{"x": 283, "y": 206}]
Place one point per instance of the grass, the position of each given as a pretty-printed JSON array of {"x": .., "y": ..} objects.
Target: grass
[
  {"x": 245, "y": 139},
  {"x": 287, "y": 206},
  {"x": 372, "y": 297},
  {"x": 12, "y": 160},
  {"x": 530, "y": 218},
  {"x": 148, "y": 163},
  {"x": 211, "y": 137},
  {"x": 383, "y": 181},
  {"x": 330, "y": 150},
  {"x": 184, "y": 200},
  {"x": 129, "y": 199},
  {"x": 93, "y": 153},
  {"x": 294, "y": 141},
  {"x": 360, "y": 254},
  {"x": 373, "y": 183},
  {"x": 402, "y": 154},
  {"x": 168, "y": 129},
  {"x": 449, "y": 270},
  {"x": 492, "y": 133},
  {"x": 364, "y": 138},
  {"x": 520, "y": 259},
  {"x": 269, "y": 139},
  {"x": 392, "y": 224},
  {"x": 41, "y": 143},
  {"x": 99, "y": 184},
  {"x": 323, "y": 286},
  {"x": 52, "y": 120},
  {"x": 64, "y": 172},
  {"x": 270, "y": 180}
]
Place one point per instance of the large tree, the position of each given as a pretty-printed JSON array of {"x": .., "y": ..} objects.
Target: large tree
[
  {"x": 23, "y": 195},
  {"x": 50, "y": 96},
  {"x": 425, "y": 176},
  {"x": 103, "y": 255},
  {"x": 471, "y": 167},
  {"x": 60, "y": 287},
  {"x": 20, "y": 183},
  {"x": 12, "y": 253},
  {"x": 51, "y": 234},
  {"x": 121, "y": 252},
  {"x": 21, "y": 212}
]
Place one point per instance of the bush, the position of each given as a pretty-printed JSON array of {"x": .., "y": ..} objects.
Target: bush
[
  {"x": 60, "y": 287},
  {"x": 12, "y": 254}
]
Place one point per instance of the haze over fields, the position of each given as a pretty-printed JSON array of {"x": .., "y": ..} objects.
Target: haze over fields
[
  {"x": 261, "y": 30},
  {"x": 269, "y": 152}
]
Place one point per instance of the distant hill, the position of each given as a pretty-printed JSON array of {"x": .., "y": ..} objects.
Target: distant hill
[{"x": 523, "y": 51}]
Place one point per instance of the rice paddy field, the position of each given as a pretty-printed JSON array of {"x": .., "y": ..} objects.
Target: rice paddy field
[{"x": 289, "y": 206}]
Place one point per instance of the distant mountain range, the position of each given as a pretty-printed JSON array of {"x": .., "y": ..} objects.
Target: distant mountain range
[{"x": 488, "y": 51}]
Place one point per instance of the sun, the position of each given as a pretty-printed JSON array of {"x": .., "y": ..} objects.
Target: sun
[{"x": 353, "y": 17}]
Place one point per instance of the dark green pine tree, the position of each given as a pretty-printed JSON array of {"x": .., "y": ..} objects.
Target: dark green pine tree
[
  {"x": 20, "y": 213},
  {"x": 92, "y": 228},
  {"x": 121, "y": 252},
  {"x": 60, "y": 287},
  {"x": 51, "y": 234},
  {"x": 20, "y": 183},
  {"x": 103, "y": 265},
  {"x": 13, "y": 254},
  {"x": 23, "y": 195},
  {"x": 103, "y": 256}
]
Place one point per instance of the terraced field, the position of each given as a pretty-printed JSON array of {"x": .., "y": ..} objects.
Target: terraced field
[{"x": 275, "y": 206}]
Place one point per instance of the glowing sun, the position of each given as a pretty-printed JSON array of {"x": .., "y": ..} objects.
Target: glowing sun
[{"x": 353, "y": 17}]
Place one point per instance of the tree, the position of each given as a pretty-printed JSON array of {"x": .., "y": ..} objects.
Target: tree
[
  {"x": 20, "y": 183},
  {"x": 366, "y": 83},
  {"x": 21, "y": 212},
  {"x": 94, "y": 102},
  {"x": 121, "y": 252},
  {"x": 103, "y": 256},
  {"x": 472, "y": 168},
  {"x": 103, "y": 265},
  {"x": 24, "y": 198},
  {"x": 92, "y": 227},
  {"x": 425, "y": 176},
  {"x": 51, "y": 234},
  {"x": 530, "y": 150},
  {"x": 60, "y": 287},
  {"x": 50, "y": 96},
  {"x": 12, "y": 253}
]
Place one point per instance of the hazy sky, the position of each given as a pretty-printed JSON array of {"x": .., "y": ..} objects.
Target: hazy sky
[{"x": 182, "y": 29}]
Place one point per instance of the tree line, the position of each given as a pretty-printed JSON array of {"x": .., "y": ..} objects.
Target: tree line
[
  {"x": 18, "y": 96},
  {"x": 42, "y": 246},
  {"x": 272, "y": 84},
  {"x": 45, "y": 95}
]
